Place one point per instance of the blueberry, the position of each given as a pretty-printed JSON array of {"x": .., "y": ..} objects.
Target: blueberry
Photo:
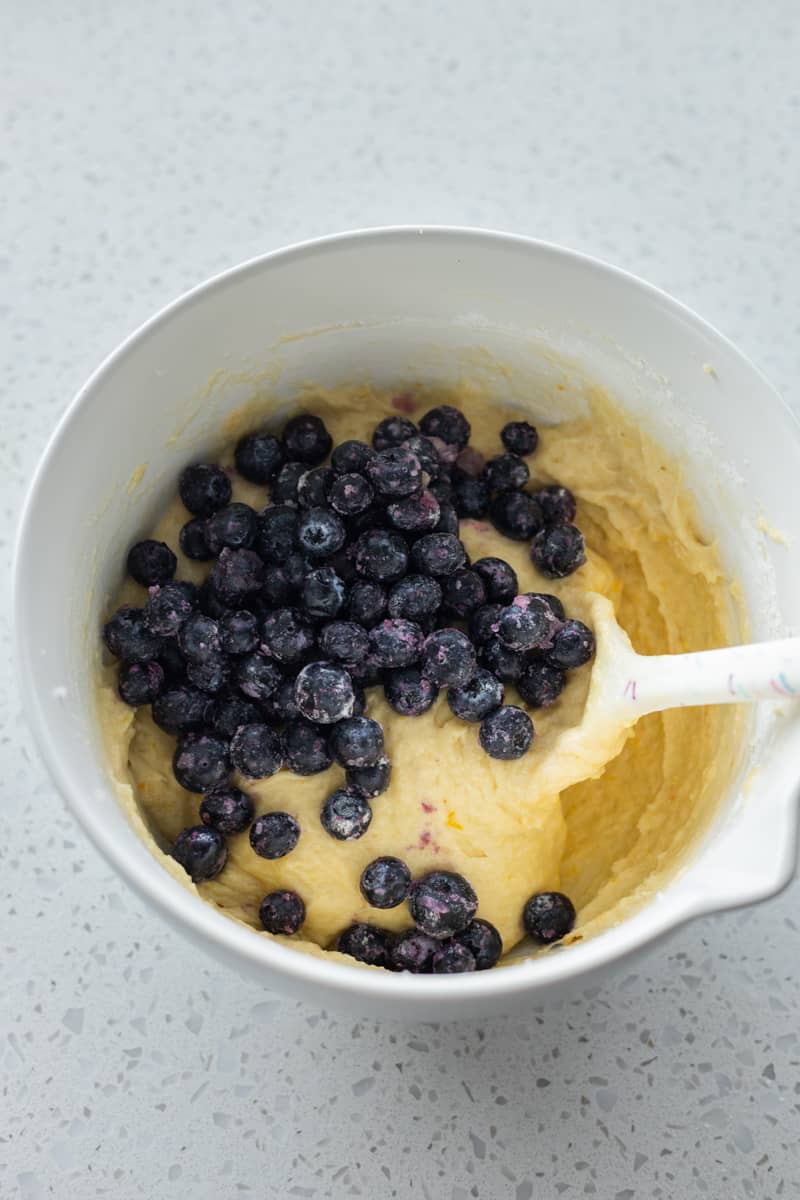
[
  {"x": 526, "y": 626},
  {"x": 256, "y": 751},
  {"x": 442, "y": 904},
  {"x": 425, "y": 451},
  {"x": 192, "y": 540},
  {"x": 351, "y": 457},
  {"x": 344, "y": 641},
  {"x": 238, "y": 632},
  {"x": 351, "y": 494},
  {"x": 287, "y": 636},
  {"x": 385, "y": 882},
  {"x": 507, "y": 471},
  {"x": 408, "y": 692},
  {"x": 500, "y": 579},
  {"x": 180, "y": 709},
  {"x": 548, "y": 916},
  {"x": 201, "y": 762},
  {"x": 415, "y": 597},
  {"x": 506, "y": 733},
  {"x": 341, "y": 562},
  {"x": 324, "y": 693},
  {"x": 234, "y": 525},
  {"x": 237, "y": 574},
  {"x": 306, "y": 439},
  {"x": 204, "y": 487},
  {"x": 209, "y": 601},
  {"x": 478, "y": 697},
  {"x": 484, "y": 623},
  {"x": 257, "y": 677},
  {"x": 277, "y": 533},
  {"x": 258, "y": 457},
  {"x": 558, "y": 504},
  {"x": 346, "y": 815},
  {"x": 558, "y": 551},
  {"x": 366, "y": 603},
  {"x": 448, "y": 518},
  {"x": 453, "y": 959},
  {"x": 140, "y": 683},
  {"x": 282, "y": 912},
  {"x": 320, "y": 532},
  {"x": 381, "y": 555},
  {"x": 370, "y": 781},
  {"x": 199, "y": 637},
  {"x": 442, "y": 486},
  {"x": 471, "y": 498},
  {"x": 395, "y": 473},
  {"x": 357, "y": 742},
  {"x": 447, "y": 424},
  {"x": 448, "y": 658},
  {"x": 519, "y": 437},
  {"x": 366, "y": 943},
  {"x": 283, "y": 488},
  {"x": 415, "y": 514},
  {"x": 438, "y": 554},
  {"x": 516, "y": 514},
  {"x": 281, "y": 705},
  {"x": 229, "y": 712},
  {"x": 572, "y": 646},
  {"x": 151, "y": 562},
  {"x": 393, "y": 431},
  {"x": 313, "y": 487},
  {"x": 173, "y": 662},
  {"x": 296, "y": 566},
  {"x": 274, "y": 835},
  {"x": 209, "y": 674},
  {"x": 305, "y": 748},
  {"x": 506, "y": 664},
  {"x": 413, "y": 951},
  {"x": 169, "y": 606},
  {"x": 540, "y": 685},
  {"x": 396, "y": 642},
  {"x": 227, "y": 809},
  {"x": 201, "y": 852},
  {"x": 556, "y": 607},
  {"x": 464, "y": 592},
  {"x": 323, "y": 592},
  {"x": 128, "y": 637},
  {"x": 483, "y": 942}
]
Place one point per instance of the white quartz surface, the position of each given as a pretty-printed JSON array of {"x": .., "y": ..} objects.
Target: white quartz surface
[{"x": 145, "y": 146}]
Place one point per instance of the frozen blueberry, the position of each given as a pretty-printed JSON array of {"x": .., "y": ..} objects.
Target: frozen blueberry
[
  {"x": 548, "y": 916},
  {"x": 236, "y": 575},
  {"x": 201, "y": 762},
  {"x": 151, "y": 563},
  {"x": 209, "y": 601},
  {"x": 277, "y": 533},
  {"x": 484, "y": 623},
  {"x": 442, "y": 486},
  {"x": 257, "y": 676},
  {"x": 516, "y": 514},
  {"x": 393, "y": 431},
  {"x": 346, "y": 815},
  {"x": 556, "y": 607},
  {"x": 344, "y": 641},
  {"x": 572, "y": 646},
  {"x": 519, "y": 437},
  {"x": 506, "y": 471},
  {"x": 396, "y": 642},
  {"x": 169, "y": 606},
  {"x": 305, "y": 748},
  {"x": 314, "y": 486},
  {"x": 192, "y": 540},
  {"x": 370, "y": 781},
  {"x": 526, "y": 626},
  {"x": 238, "y": 632},
  {"x": 180, "y": 709},
  {"x": 381, "y": 555},
  {"x": 448, "y": 658},
  {"x": 201, "y": 852},
  {"x": 506, "y": 733},
  {"x": 128, "y": 636},
  {"x": 351, "y": 494},
  {"x": 323, "y": 692},
  {"x": 452, "y": 958},
  {"x": 324, "y": 593},
  {"x": 211, "y": 673},
  {"x": 351, "y": 457},
  {"x": 558, "y": 504},
  {"x": 447, "y": 424},
  {"x": 357, "y": 742},
  {"x": 204, "y": 487},
  {"x": 395, "y": 473},
  {"x": 320, "y": 532},
  {"x": 140, "y": 683},
  {"x": 282, "y": 912},
  {"x": 297, "y": 567},
  {"x": 256, "y": 751},
  {"x": 173, "y": 662},
  {"x": 366, "y": 943},
  {"x": 287, "y": 636},
  {"x": 408, "y": 692},
  {"x": 426, "y": 453},
  {"x": 385, "y": 882},
  {"x": 227, "y": 809},
  {"x": 471, "y": 498},
  {"x": 438, "y": 554},
  {"x": 366, "y": 603},
  {"x": 441, "y": 904},
  {"x": 478, "y": 697},
  {"x": 415, "y": 597},
  {"x": 540, "y": 685},
  {"x": 306, "y": 439},
  {"x": 506, "y": 664},
  {"x": 413, "y": 951},
  {"x": 198, "y": 637},
  {"x": 464, "y": 592},
  {"x": 229, "y": 712},
  {"x": 258, "y": 457},
  {"x": 499, "y": 578},
  {"x": 483, "y": 942},
  {"x": 274, "y": 835},
  {"x": 234, "y": 525},
  {"x": 415, "y": 514},
  {"x": 448, "y": 518},
  {"x": 281, "y": 705},
  {"x": 558, "y": 551},
  {"x": 283, "y": 488}
]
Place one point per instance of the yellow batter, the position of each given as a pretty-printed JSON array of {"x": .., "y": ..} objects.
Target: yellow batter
[{"x": 511, "y": 828}]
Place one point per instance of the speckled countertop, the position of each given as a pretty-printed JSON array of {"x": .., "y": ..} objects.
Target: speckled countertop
[{"x": 146, "y": 146}]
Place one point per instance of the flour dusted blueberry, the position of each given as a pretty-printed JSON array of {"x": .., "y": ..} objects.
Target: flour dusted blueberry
[
  {"x": 396, "y": 642},
  {"x": 297, "y": 567},
  {"x": 415, "y": 514},
  {"x": 409, "y": 692},
  {"x": 199, "y": 637},
  {"x": 453, "y": 958},
  {"x": 413, "y": 951},
  {"x": 204, "y": 487},
  {"x": 471, "y": 498},
  {"x": 506, "y": 733},
  {"x": 201, "y": 762},
  {"x": 393, "y": 431},
  {"x": 256, "y": 751},
  {"x": 287, "y": 636},
  {"x": 314, "y": 487},
  {"x": 484, "y": 623},
  {"x": 129, "y": 637},
  {"x": 306, "y": 439},
  {"x": 499, "y": 579},
  {"x": 210, "y": 674},
  {"x": 558, "y": 551},
  {"x": 476, "y": 698},
  {"x": 346, "y": 815},
  {"x": 234, "y": 525},
  {"x": 540, "y": 685},
  {"x": 351, "y": 494},
  {"x": 415, "y": 597},
  {"x": 464, "y": 592},
  {"x": 506, "y": 471},
  {"x": 370, "y": 781},
  {"x": 324, "y": 593},
  {"x": 236, "y": 575},
  {"x": 385, "y": 882},
  {"x": 395, "y": 472},
  {"x": 501, "y": 660},
  {"x": 201, "y": 852},
  {"x": 238, "y": 631},
  {"x": 209, "y": 602},
  {"x": 516, "y": 514},
  {"x": 344, "y": 641},
  {"x": 227, "y": 809},
  {"x": 483, "y": 942},
  {"x": 276, "y": 539},
  {"x": 447, "y": 424},
  {"x": 274, "y": 835},
  {"x": 320, "y": 532},
  {"x": 555, "y": 605},
  {"x": 548, "y": 917},
  {"x": 351, "y": 457},
  {"x": 180, "y": 709},
  {"x": 305, "y": 748},
  {"x": 169, "y": 606},
  {"x": 558, "y": 504},
  {"x": 520, "y": 437},
  {"x": 438, "y": 554},
  {"x": 366, "y": 603},
  {"x": 140, "y": 683},
  {"x": 282, "y": 912},
  {"x": 281, "y": 706},
  {"x": 425, "y": 451},
  {"x": 526, "y": 626},
  {"x": 441, "y": 904},
  {"x": 448, "y": 658},
  {"x": 323, "y": 692},
  {"x": 572, "y": 646},
  {"x": 228, "y": 712},
  {"x": 357, "y": 742},
  {"x": 258, "y": 457},
  {"x": 448, "y": 518},
  {"x": 192, "y": 540},
  {"x": 283, "y": 488},
  {"x": 366, "y": 943},
  {"x": 257, "y": 676},
  {"x": 151, "y": 562},
  {"x": 381, "y": 555}
]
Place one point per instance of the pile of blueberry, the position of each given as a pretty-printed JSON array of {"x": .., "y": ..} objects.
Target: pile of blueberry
[{"x": 353, "y": 576}]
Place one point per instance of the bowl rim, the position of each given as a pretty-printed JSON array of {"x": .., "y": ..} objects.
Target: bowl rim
[{"x": 187, "y": 909}]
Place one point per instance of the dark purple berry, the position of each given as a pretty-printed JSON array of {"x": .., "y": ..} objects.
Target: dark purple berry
[
  {"x": 346, "y": 815},
  {"x": 169, "y": 606},
  {"x": 452, "y": 958},
  {"x": 324, "y": 593},
  {"x": 425, "y": 451},
  {"x": 306, "y": 439},
  {"x": 413, "y": 951},
  {"x": 499, "y": 578},
  {"x": 314, "y": 486},
  {"x": 366, "y": 603},
  {"x": 256, "y": 751},
  {"x": 507, "y": 472},
  {"x": 447, "y": 424},
  {"x": 204, "y": 487},
  {"x": 198, "y": 637},
  {"x": 201, "y": 852},
  {"x": 128, "y": 636},
  {"x": 385, "y": 882},
  {"x": 442, "y": 904},
  {"x": 448, "y": 658},
  {"x": 258, "y": 457},
  {"x": 471, "y": 498},
  {"x": 415, "y": 597},
  {"x": 478, "y": 697},
  {"x": 209, "y": 601},
  {"x": 396, "y": 642},
  {"x": 236, "y": 575},
  {"x": 192, "y": 540},
  {"x": 201, "y": 762},
  {"x": 572, "y": 646},
  {"x": 351, "y": 494},
  {"x": 408, "y": 692},
  {"x": 297, "y": 566},
  {"x": 282, "y": 912},
  {"x": 351, "y": 457},
  {"x": 558, "y": 504},
  {"x": 464, "y": 592},
  {"x": 151, "y": 563},
  {"x": 558, "y": 551},
  {"x": 415, "y": 514},
  {"x": 287, "y": 636},
  {"x": 277, "y": 591},
  {"x": 323, "y": 692},
  {"x": 506, "y": 733},
  {"x": 140, "y": 683},
  {"x": 320, "y": 532},
  {"x": 548, "y": 917},
  {"x": 238, "y": 632},
  {"x": 227, "y": 809},
  {"x": 344, "y": 641},
  {"x": 438, "y": 554},
  {"x": 516, "y": 514},
  {"x": 483, "y": 942},
  {"x": 448, "y": 518},
  {"x": 519, "y": 437},
  {"x": 274, "y": 835},
  {"x": 484, "y": 623},
  {"x": 370, "y": 781},
  {"x": 501, "y": 660},
  {"x": 393, "y": 431},
  {"x": 173, "y": 662},
  {"x": 257, "y": 676},
  {"x": 442, "y": 487},
  {"x": 305, "y": 748},
  {"x": 540, "y": 685},
  {"x": 381, "y": 555},
  {"x": 281, "y": 705},
  {"x": 556, "y": 607},
  {"x": 395, "y": 472},
  {"x": 234, "y": 525},
  {"x": 526, "y": 626},
  {"x": 180, "y": 709},
  {"x": 211, "y": 673},
  {"x": 283, "y": 488},
  {"x": 366, "y": 943},
  {"x": 357, "y": 742},
  {"x": 229, "y": 712}
]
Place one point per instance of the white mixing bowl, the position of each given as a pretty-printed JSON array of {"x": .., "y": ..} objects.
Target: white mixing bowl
[{"x": 401, "y": 305}]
